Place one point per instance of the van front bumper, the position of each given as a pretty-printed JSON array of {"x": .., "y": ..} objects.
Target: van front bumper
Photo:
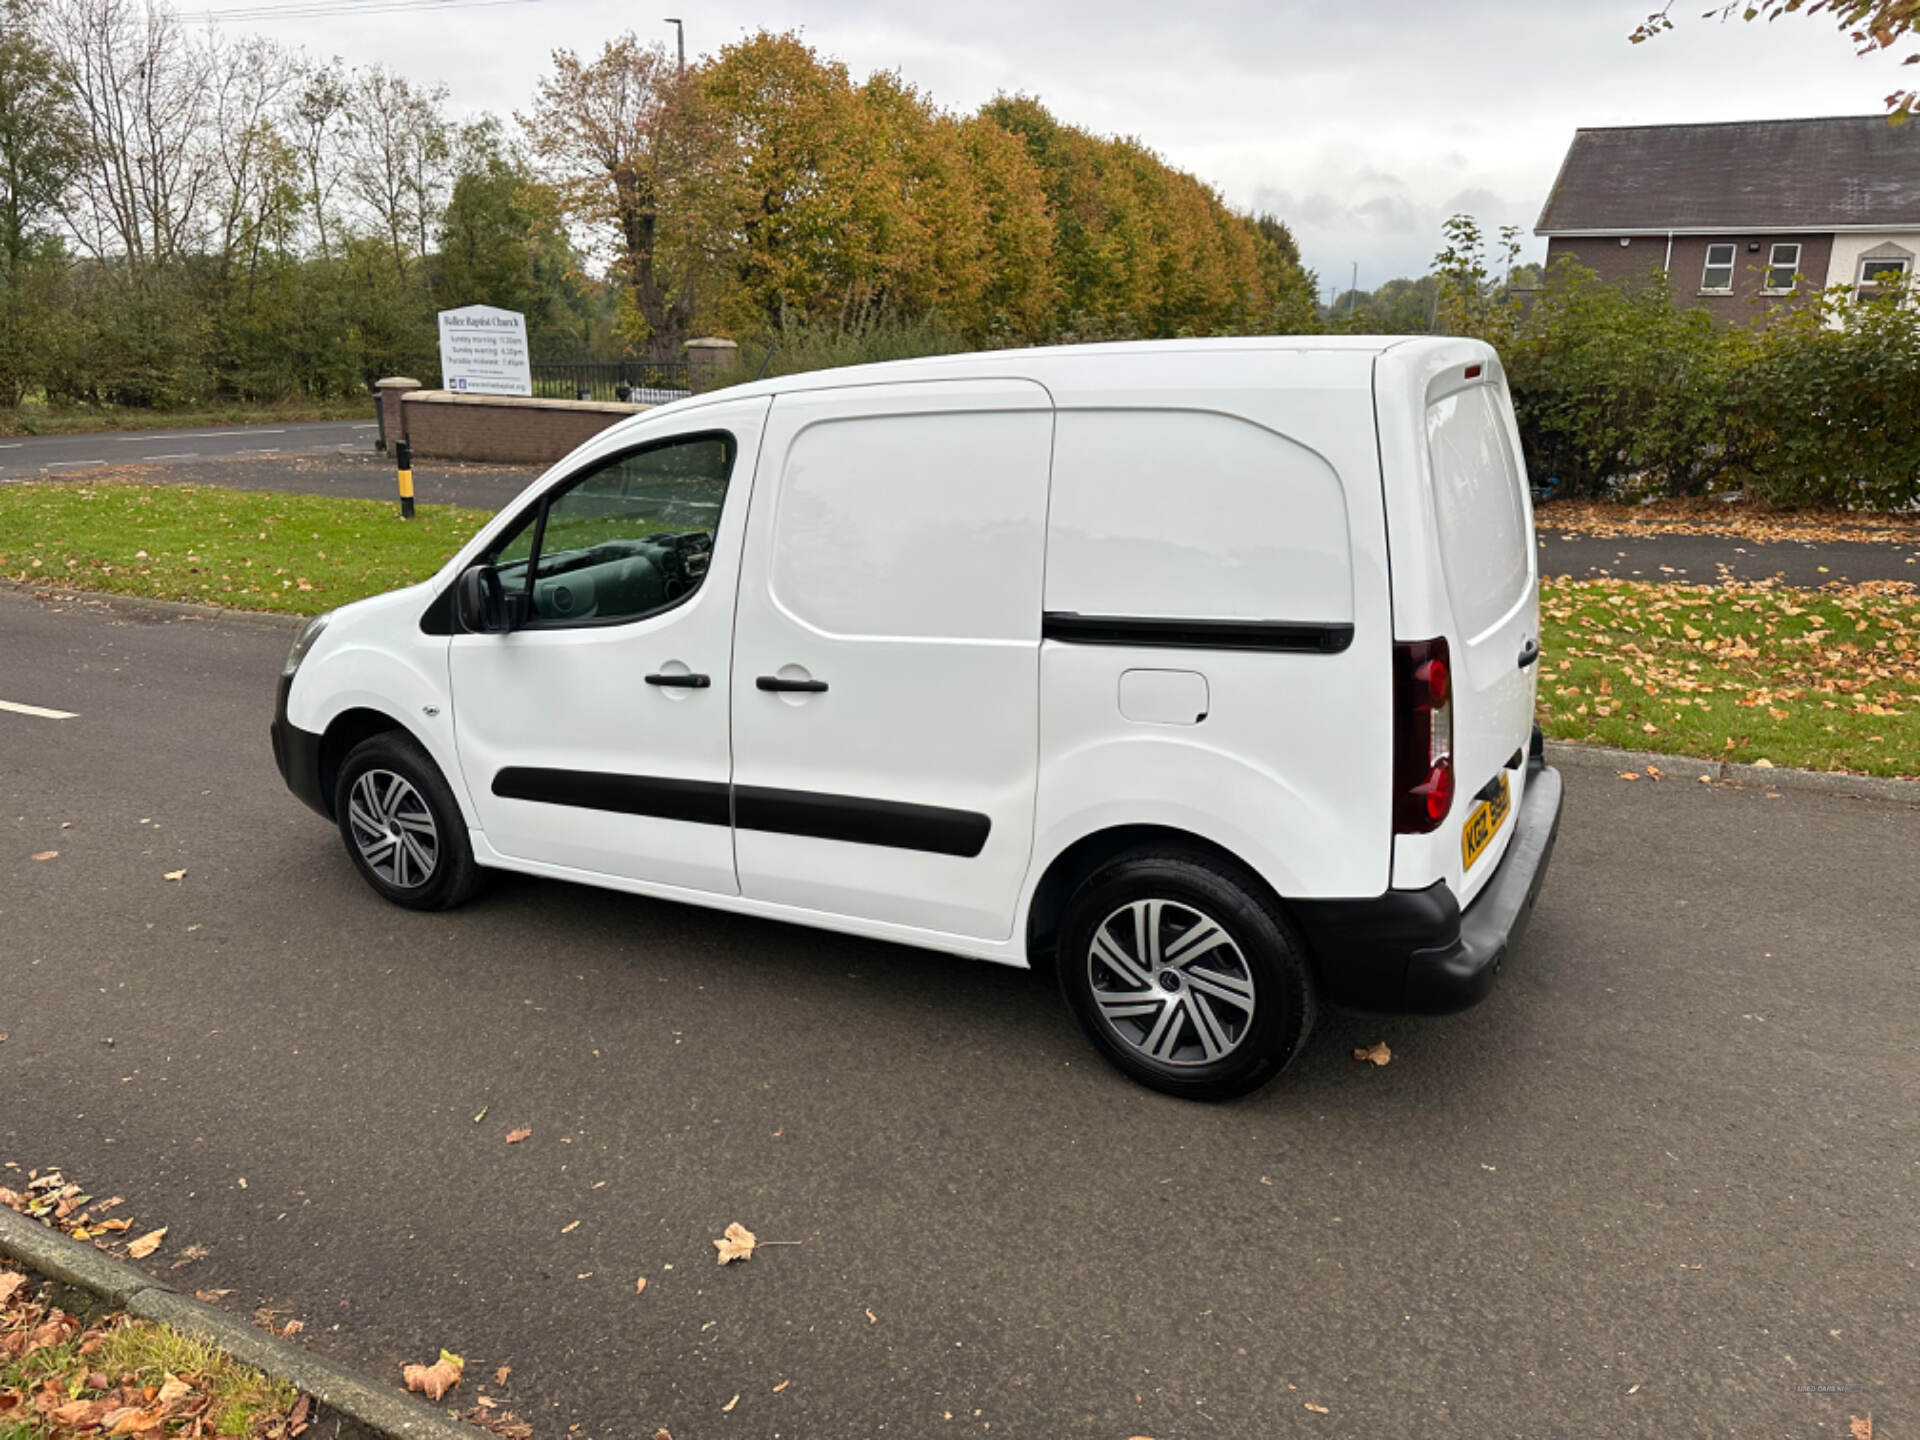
[
  {"x": 297, "y": 753},
  {"x": 1416, "y": 952}
]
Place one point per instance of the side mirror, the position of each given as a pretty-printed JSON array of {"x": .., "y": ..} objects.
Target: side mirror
[{"x": 479, "y": 602}]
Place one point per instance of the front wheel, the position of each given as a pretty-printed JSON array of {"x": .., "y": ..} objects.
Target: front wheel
[
  {"x": 1182, "y": 973},
  {"x": 402, "y": 826}
]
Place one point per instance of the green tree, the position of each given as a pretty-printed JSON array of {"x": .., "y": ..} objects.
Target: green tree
[{"x": 40, "y": 147}]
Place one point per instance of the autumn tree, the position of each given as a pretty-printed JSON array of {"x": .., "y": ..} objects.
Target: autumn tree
[
  {"x": 623, "y": 140},
  {"x": 1874, "y": 26}
]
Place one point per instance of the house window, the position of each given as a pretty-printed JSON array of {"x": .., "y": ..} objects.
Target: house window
[
  {"x": 1783, "y": 263},
  {"x": 1883, "y": 272},
  {"x": 1717, "y": 278}
]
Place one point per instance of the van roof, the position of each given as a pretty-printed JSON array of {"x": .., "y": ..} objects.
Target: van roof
[{"x": 1048, "y": 362}]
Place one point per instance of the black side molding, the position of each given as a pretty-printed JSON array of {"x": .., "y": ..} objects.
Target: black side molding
[
  {"x": 895, "y": 824},
  {"x": 1291, "y": 635},
  {"x": 892, "y": 823},
  {"x": 700, "y": 802}
]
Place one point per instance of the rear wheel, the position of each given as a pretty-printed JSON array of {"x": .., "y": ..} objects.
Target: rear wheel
[
  {"x": 402, "y": 826},
  {"x": 1184, "y": 975}
]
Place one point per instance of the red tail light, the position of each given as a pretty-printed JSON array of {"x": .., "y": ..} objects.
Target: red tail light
[{"x": 1422, "y": 736}]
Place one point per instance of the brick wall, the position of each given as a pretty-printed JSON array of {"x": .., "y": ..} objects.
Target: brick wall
[
  {"x": 1632, "y": 262},
  {"x": 508, "y": 428}
]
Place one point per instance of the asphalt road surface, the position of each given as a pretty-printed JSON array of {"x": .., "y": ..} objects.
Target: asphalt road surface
[
  {"x": 48, "y": 456},
  {"x": 1663, "y": 1182},
  {"x": 1712, "y": 559}
]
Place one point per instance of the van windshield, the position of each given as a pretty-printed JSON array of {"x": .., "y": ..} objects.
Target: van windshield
[{"x": 1480, "y": 504}]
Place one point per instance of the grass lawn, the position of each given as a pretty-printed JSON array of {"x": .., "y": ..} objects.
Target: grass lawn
[
  {"x": 1827, "y": 681},
  {"x": 295, "y": 554},
  {"x": 35, "y": 419}
]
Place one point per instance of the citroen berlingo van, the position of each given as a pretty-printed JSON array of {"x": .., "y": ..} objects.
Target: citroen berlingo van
[{"x": 1199, "y": 671}]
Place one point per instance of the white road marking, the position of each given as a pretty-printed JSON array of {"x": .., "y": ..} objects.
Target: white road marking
[
  {"x": 38, "y": 710},
  {"x": 187, "y": 455},
  {"x": 57, "y": 464},
  {"x": 195, "y": 435},
  {"x": 370, "y": 425},
  {"x": 14, "y": 446}
]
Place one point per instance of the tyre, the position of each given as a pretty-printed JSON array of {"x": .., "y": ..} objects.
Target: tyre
[
  {"x": 1185, "y": 975},
  {"x": 402, "y": 826}
]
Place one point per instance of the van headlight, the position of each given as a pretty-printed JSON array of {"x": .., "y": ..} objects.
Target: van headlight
[{"x": 303, "y": 642}]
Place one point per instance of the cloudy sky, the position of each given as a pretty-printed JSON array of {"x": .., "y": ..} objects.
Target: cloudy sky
[{"x": 1362, "y": 123}]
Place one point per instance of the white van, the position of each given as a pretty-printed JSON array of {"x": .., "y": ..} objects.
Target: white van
[{"x": 1202, "y": 671}]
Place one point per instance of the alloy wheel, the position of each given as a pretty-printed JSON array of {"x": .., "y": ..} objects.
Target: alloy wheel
[
  {"x": 393, "y": 829},
  {"x": 1169, "y": 982}
]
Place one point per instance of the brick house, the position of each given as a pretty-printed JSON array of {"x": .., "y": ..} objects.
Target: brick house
[{"x": 1744, "y": 214}]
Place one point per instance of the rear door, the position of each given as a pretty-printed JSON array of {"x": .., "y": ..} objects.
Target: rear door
[
  {"x": 1468, "y": 573},
  {"x": 886, "y": 655}
]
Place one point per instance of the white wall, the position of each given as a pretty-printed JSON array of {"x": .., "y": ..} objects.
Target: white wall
[{"x": 1848, "y": 246}]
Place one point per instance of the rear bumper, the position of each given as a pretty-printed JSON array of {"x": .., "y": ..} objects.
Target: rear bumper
[
  {"x": 1416, "y": 951},
  {"x": 297, "y": 753}
]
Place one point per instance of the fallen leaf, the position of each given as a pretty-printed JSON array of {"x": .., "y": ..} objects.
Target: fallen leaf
[
  {"x": 176, "y": 875},
  {"x": 514, "y": 1137},
  {"x": 569, "y": 1229},
  {"x": 736, "y": 1244},
  {"x": 1763, "y": 763},
  {"x": 487, "y": 1402},
  {"x": 1317, "y": 1409},
  {"x": 500, "y": 1375},
  {"x": 436, "y": 1379},
  {"x": 173, "y": 1388},
  {"x": 211, "y": 1297},
  {"x": 114, "y": 1224},
  {"x": 9, "y": 1283},
  {"x": 872, "y": 1319},
  {"x": 1377, "y": 1052},
  {"x": 147, "y": 1243},
  {"x": 482, "y": 1115},
  {"x": 47, "y": 855},
  {"x": 1629, "y": 774},
  {"x": 292, "y": 1328},
  {"x": 1860, "y": 1428},
  {"x": 781, "y": 1386},
  {"x": 727, "y": 1408},
  {"x": 640, "y": 1285}
]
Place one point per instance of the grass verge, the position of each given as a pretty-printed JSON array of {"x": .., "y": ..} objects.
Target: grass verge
[
  {"x": 53, "y": 420},
  {"x": 1821, "y": 681},
  {"x": 292, "y": 554},
  {"x": 121, "y": 1376},
  {"x": 1824, "y": 680}
]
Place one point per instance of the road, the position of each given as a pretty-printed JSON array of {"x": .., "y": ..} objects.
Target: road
[
  {"x": 1713, "y": 559},
  {"x": 1662, "y": 1181},
  {"x": 48, "y": 456}
]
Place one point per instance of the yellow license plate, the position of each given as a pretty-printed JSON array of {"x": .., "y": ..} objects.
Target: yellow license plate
[{"x": 1484, "y": 823}]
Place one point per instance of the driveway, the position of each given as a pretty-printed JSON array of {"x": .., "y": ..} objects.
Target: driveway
[{"x": 1662, "y": 1182}]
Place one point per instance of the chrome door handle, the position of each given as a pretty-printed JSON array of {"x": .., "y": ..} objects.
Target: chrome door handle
[{"x": 683, "y": 682}]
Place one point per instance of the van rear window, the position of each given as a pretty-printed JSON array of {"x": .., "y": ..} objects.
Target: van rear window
[
  {"x": 1479, "y": 500},
  {"x": 1186, "y": 514}
]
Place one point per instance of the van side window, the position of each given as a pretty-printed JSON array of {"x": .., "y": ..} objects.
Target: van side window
[
  {"x": 1189, "y": 515},
  {"x": 630, "y": 537},
  {"x": 916, "y": 525},
  {"x": 1480, "y": 506}
]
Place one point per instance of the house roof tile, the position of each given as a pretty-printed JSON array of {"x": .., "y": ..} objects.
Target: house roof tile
[{"x": 1855, "y": 170}]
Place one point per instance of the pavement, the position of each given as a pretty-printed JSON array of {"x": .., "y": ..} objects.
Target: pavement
[{"x": 1662, "y": 1182}]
